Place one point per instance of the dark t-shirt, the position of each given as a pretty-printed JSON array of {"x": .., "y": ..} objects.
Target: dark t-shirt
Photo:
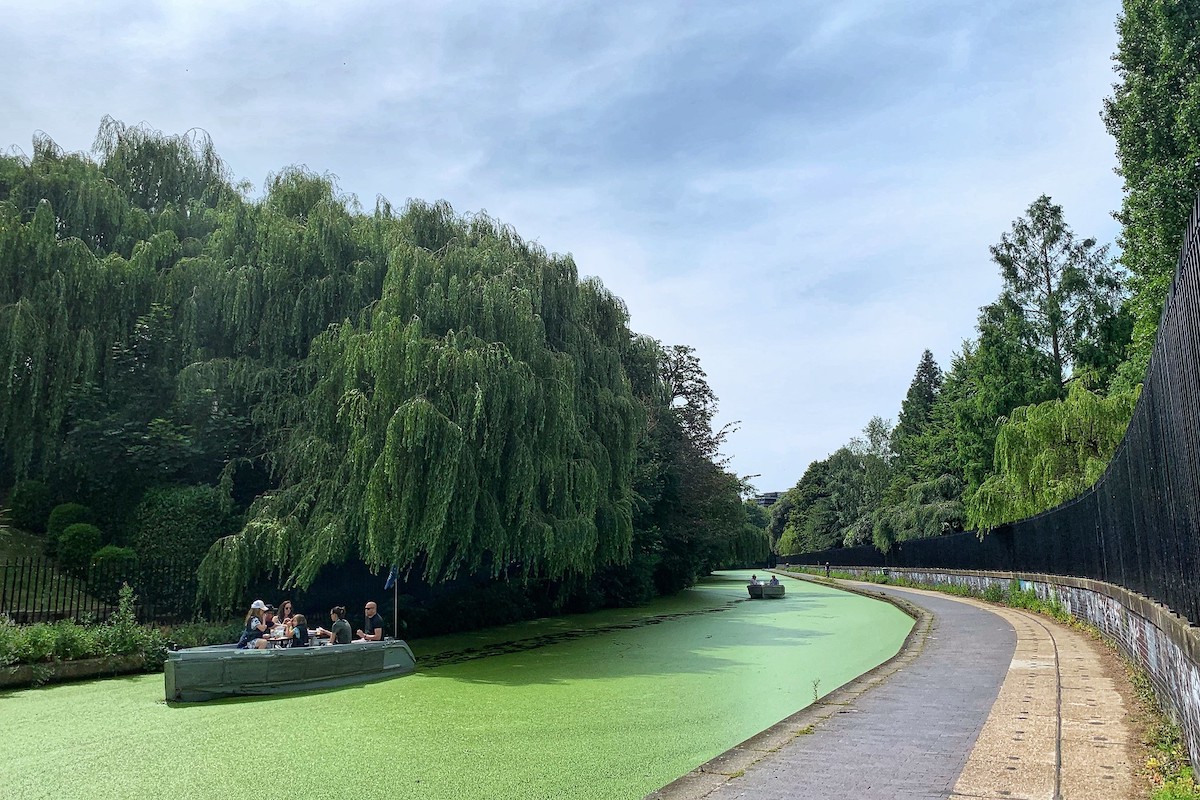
[
  {"x": 299, "y": 636},
  {"x": 374, "y": 621},
  {"x": 341, "y": 632}
]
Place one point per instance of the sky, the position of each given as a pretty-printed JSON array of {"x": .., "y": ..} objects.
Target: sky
[{"x": 803, "y": 191}]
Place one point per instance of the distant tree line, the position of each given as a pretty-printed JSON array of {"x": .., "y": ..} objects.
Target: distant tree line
[
  {"x": 1033, "y": 406},
  {"x": 272, "y": 386}
]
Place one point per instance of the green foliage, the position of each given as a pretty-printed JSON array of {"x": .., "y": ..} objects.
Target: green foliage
[
  {"x": 77, "y": 544},
  {"x": 180, "y": 522},
  {"x": 115, "y": 558},
  {"x": 1060, "y": 289},
  {"x": 1049, "y": 453},
  {"x": 30, "y": 503},
  {"x": 1154, "y": 115},
  {"x": 74, "y": 641},
  {"x": 45, "y": 642},
  {"x": 995, "y": 593},
  {"x": 916, "y": 415},
  {"x": 121, "y": 635},
  {"x": 398, "y": 385},
  {"x": 62, "y": 517},
  {"x": 202, "y": 634},
  {"x": 832, "y": 503},
  {"x": 929, "y": 508},
  {"x": 65, "y": 515}
]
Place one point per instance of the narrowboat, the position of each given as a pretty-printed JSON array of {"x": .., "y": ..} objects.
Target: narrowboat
[{"x": 206, "y": 673}]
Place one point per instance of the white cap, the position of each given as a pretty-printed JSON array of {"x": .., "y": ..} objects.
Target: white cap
[{"x": 259, "y": 604}]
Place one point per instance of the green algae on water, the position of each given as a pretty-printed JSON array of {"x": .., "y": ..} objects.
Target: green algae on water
[{"x": 607, "y": 705}]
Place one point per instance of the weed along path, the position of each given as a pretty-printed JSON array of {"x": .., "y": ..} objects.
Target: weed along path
[{"x": 608, "y": 705}]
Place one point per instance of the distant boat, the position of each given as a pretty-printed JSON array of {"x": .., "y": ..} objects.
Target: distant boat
[
  {"x": 206, "y": 673},
  {"x": 760, "y": 591}
]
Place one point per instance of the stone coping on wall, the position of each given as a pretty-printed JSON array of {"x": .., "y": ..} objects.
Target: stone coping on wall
[{"x": 24, "y": 675}]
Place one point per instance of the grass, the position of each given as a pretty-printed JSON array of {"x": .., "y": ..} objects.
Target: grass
[
  {"x": 18, "y": 544},
  {"x": 602, "y": 706},
  {"x": 1168, "y": 767}
]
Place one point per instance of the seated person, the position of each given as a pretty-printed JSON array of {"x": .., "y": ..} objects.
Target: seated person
[
  {"x": 774, "y": 581},
  {"x": 255, "y": 628},
  {"x": 297, "y": 631},
  {"x": 754, "y": 581},
  {"x": 284, "y": 614},
  {"x": 372, "y": 630},
  {"x": 339, "y": 631}
]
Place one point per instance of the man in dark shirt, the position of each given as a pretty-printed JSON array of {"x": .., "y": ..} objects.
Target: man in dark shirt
[{"x": 372, "y": 630}]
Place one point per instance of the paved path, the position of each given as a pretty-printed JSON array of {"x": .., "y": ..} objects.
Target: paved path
[{"x": 982, "y": 702}]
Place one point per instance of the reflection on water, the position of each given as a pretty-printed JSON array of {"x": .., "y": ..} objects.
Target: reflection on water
[{"x": 519, "y": 645}]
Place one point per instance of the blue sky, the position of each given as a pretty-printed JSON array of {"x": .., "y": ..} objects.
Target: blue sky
[{"x": 803, "y": 191}]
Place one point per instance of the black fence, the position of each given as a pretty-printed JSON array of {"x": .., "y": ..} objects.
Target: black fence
[
  {"x": 39, "y": 590},
  {"x": 1139, "y": 526}
]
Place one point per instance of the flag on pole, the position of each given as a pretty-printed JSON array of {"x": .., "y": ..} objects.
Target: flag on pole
[{"x": 391, "y": 579}]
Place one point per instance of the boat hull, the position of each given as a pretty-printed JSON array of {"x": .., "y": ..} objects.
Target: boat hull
[
  {"x": 764, "y": 591},
  {"x": 207, "y": 673}
]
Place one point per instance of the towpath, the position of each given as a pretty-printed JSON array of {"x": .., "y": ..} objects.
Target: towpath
[{"x": 982, "y": 703}]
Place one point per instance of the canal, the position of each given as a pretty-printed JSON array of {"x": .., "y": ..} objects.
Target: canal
[{"x": 607, "y": 705}]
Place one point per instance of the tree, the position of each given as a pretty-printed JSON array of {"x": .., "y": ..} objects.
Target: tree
[
  {"x": 1154, "y": 115},
  {"x": 1049, "y": 453},
  {"x": 916, "y": 414},
  {"x": 1062, "y": 289}
]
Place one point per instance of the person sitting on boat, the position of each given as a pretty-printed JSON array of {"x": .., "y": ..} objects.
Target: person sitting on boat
[
  {"x": 339, "y": 631},
  {"x": 297, "y": 631},
  {"x": 774, "y": 581},
  {"x": 754, "y": 581},
  {"x": 255, "y": 628},
  {"x": 284, "y": 614},
  {"x": 372, "y": 630}
]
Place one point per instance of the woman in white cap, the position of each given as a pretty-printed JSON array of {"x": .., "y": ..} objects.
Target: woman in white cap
[{"x": 255, "y": 629}]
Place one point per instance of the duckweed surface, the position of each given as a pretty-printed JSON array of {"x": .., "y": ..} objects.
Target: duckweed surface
[{"x": 608, "y": 705}]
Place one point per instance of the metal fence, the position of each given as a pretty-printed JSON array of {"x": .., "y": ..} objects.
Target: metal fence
[
  {"x": 1139, "y": 526},
  {"x": 37, "y": 589}
]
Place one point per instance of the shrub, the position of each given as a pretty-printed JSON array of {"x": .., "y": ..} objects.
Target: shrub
[
  {"x": 72, "y": 641},
  {"x": 994, "y": 593},
  {"x": 116, "y": 559},
  {"x": 199, "y": 634},
  {"x": 180, "y": 522},
  {"x": 67, "y": 640},
  {"x": 112, "y": 567},
  {"x": 62, "y": 517},
  {"x": 122, "y": 636},
  {"x": 30, "y": 503},
  {"x": 35, "y": 643},
  {"x": 8, "y": 641},
  {"x": 77, "y": 543}
]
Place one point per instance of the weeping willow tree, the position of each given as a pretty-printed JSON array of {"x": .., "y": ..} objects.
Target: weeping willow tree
[
  {"x": 403, "y": 387},
  {"x": 1049, "y": 453},
  {"x": 478, "y": 416}
]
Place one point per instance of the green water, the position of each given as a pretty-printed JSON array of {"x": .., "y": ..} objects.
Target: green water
[{"x": 608, "y": 705}]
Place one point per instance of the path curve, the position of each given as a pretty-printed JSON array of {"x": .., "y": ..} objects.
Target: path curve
[{"x": 982, "y": 702}]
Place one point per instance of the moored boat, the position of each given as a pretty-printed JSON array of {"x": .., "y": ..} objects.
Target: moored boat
[
  {"x": 206, "y": 673},
  {"x": 763, "y": 590}
]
